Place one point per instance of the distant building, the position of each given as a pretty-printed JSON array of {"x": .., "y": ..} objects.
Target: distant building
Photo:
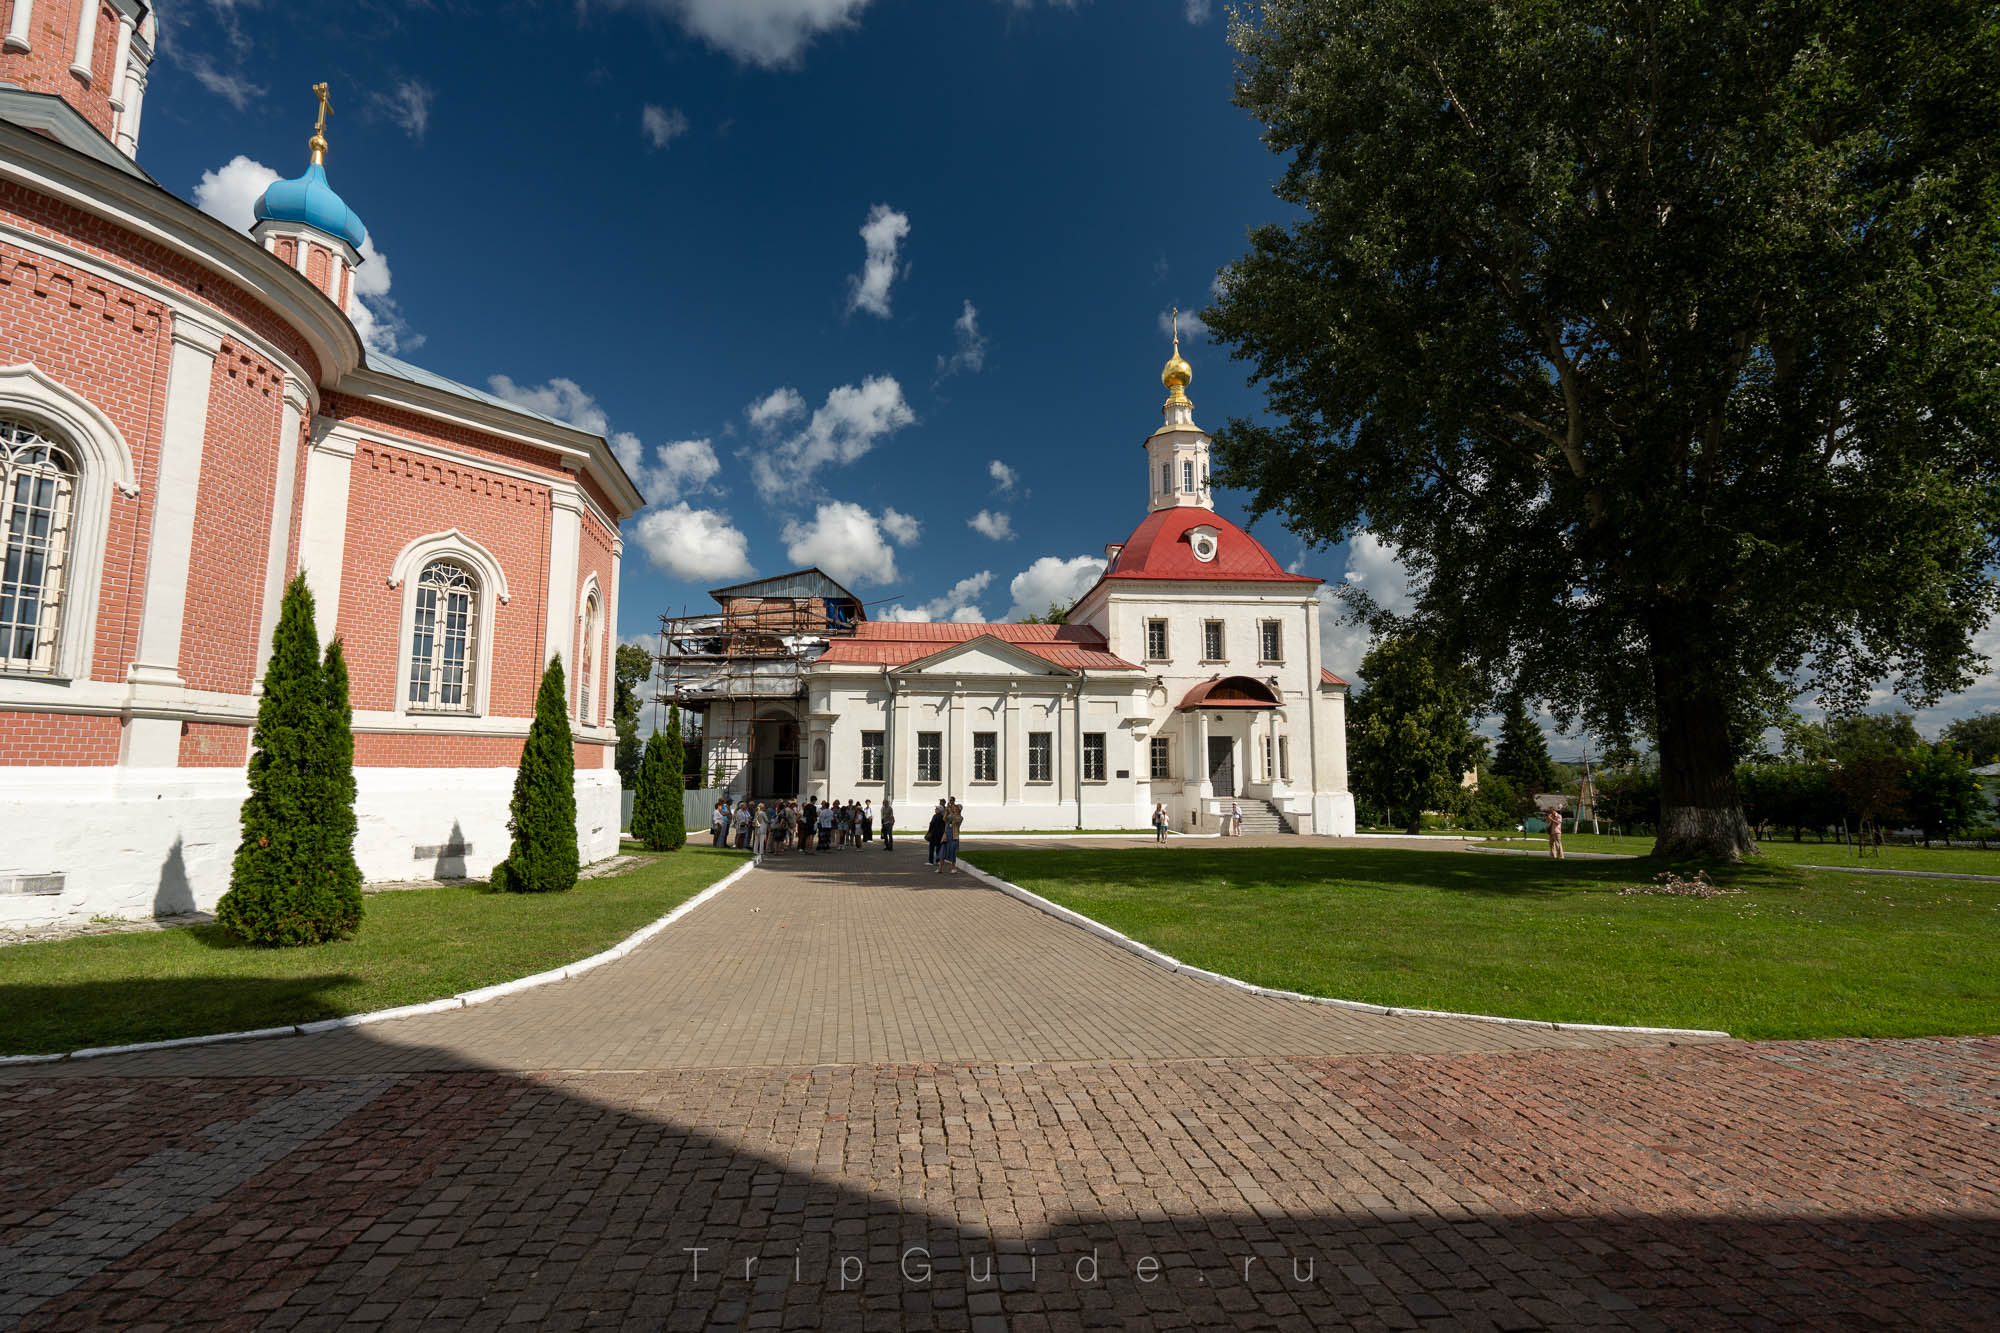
[{"x": 1188, "y": 676}]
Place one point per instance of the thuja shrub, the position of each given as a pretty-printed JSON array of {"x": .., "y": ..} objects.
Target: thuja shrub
[
  {"x": 290, "y": 883},
  {"x": 543, "y": 856},
  {"x": 659, "y": 812}
]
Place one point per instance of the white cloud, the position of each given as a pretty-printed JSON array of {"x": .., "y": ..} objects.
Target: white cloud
[
  {"x": 902, "y": 529},
  {"x": 1052, "y": 581},
  {"x": 691, "y": 543},
  {"x": 971, "y": 353},
  {"x": 882, "y": 234},
  {"x": 772, "y": 34},
  {"x": 662, "y": 126},
  {"x": 776, "y": 408},
  {"x": 682, "y": 468},
  {"x": 988, "y": 524},
  {"x": 848, "y": 425},
  {"x": 407, "y": 105},
  {"x": 230, "y": 194},
  {"x": 1197, "y": 10},
  {"x": 1003, "y": 476},
  {"x": 959, "y": 603},
  {"x": 1192, "y": 328},
  {"x": 234, "y": 89},
  {"x": 845, "y": 540},
  {"x": 1375, "y": 567}
]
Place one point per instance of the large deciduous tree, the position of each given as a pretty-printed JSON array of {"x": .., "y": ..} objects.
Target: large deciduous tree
[
  {"x": 1409, "y": 739},
  {"x": 1657, "y": 337}
]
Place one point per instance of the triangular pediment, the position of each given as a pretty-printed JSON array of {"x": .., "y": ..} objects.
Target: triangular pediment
[{"x": 984, "y": 655}]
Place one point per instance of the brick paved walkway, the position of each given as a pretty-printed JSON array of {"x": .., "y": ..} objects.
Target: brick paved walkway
[
  {"x": 1055, "y": 1161},
  {"x": 856, "y": 958}
]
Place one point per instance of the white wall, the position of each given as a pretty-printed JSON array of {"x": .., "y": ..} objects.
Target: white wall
[{"x": 134, "y": 843}]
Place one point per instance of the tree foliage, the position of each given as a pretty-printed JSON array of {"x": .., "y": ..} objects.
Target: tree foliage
[
  {"x": 1941, "y": 796},
  {"x": 294, "y": 879},
  {"x": 659, "y": 812},
  {"x": 1657, "y": 338},
  {"x": 1523, "y": 756},
  {"x": 1977, "y": 738},
  {"x": 543, "y": 857},
  {"x": 632, "y": 666},
  {"x": 1409, "y": 735},
  {"x": 1870, "y": 736}
]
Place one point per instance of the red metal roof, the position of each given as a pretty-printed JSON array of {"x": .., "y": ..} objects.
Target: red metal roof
[
  {"x": 1230, "y": 692},
  {"x": 1159, "y": 549},
  {"x": 899, "y": 643},
  {"x": 1328, "y": 678}
]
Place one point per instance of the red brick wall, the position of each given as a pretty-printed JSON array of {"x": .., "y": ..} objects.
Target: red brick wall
[
  {"x": 594, "y": 557},
  {"x": 318, "y": 261},
  {"x": 104, "y": 240},
  {"x": 214, "y": 745},
  {"x": 108, "y": 344},
  {"x": 397, "y": 494},
  {"x": 381, "y": 751},
  {"x": 45, "y": 67},
  {"x": 592, "y": 755},
  {"x": 56, "y": 739},
  {"x": 287, "y": 249},
  {"x": 232, "y": 529}
]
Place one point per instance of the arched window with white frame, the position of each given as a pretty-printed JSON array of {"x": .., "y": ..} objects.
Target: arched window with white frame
[
  {"x": 38, "y": 478},
  {"x": 586, "y": 663},
  {"x": 443, "y": 639}
]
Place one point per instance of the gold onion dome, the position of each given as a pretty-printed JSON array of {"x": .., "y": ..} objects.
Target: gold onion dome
[{"x": 1177, "y": 373}]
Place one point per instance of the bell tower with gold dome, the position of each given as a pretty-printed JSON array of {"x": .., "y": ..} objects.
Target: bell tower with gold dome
[{"x": 1177, "y": 453}]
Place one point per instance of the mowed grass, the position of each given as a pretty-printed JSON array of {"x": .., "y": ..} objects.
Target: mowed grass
[
  {"x": 1798, "y": 954},
  {"x": 1783, "y": 851},
  {"x": 413, "y": 945}
]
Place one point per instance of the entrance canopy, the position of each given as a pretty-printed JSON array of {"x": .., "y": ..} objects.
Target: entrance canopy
[{"x": 1230, "y": 692}]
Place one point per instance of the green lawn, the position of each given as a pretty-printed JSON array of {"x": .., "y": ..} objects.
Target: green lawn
[
  {"x": 1799, "y": 954},
  {"x": 1957, "y": 860},
  {"x": 414, "y": 945}
]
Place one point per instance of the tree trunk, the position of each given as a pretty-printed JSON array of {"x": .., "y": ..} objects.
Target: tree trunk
[{"x": 1701, "y": 810}]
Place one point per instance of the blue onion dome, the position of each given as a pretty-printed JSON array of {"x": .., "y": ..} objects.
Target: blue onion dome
[{"x": 310, "y": 200}]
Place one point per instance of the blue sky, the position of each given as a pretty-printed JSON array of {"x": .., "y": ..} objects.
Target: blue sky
[{"x": 648, "y": 216}]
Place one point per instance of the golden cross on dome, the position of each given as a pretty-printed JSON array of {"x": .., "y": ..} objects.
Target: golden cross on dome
[
  {"x": 1177, "y": 320},
  {"x": 318, "y": 142}
]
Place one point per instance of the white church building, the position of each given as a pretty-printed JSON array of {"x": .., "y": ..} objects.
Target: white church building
[{"x": 1188, "y": 676}]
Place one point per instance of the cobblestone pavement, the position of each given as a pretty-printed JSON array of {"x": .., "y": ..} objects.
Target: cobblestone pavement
[
  {"x": 854, "y": 958},
  {"x": 1796, "y": 1185},
  {"x": 862, "y": 1098}
]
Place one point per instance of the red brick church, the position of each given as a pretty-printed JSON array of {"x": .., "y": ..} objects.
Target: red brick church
[{"x": 188, "y": 417}]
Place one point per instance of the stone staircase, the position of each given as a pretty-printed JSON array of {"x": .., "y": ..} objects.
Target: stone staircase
[{"x": 1262, "y": 818}]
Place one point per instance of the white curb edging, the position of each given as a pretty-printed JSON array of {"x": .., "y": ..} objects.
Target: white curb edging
[
  {"x": 1172, "y": 964},
  {"x": 464, "y": 999}
]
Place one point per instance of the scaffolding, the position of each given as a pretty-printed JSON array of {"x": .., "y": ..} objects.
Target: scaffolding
[{"x": 753, "y": 648}]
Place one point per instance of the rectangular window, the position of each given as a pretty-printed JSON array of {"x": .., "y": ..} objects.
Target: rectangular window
[
  {"x": 1041, "y": 757},
  {"x": 871, "y": 756},
  {"x": 1211, "y": 640},
  {"x": 1162, "y": 758},
  {"x": 1093, "y": 756},
  {"x": 930, "y": 756},
  {"x": 1267, "y": 759},
  {"x": 985, "y": 756},
  {"x": 1271, "y": 641},
  {"x": 1166, "y": 477},
  {"x": 1187, "y": 475},
  {"x": 1156, "y": 641},
  {"x": 1285, "y": 758}
]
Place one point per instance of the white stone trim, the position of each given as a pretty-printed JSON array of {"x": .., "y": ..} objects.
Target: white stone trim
[
  {"x": 370, "y": 435},
  {"x": 17, "y": 27},
  {"x": 121, "y": 60},
  {"x": 450, "y": 544},
  {"x": 589, "y": 590},
  {"x": 86, "y": 41},
  {"x": 565, "y": 540},
  {"x": 323, "y": 523},
  {"x": 104, "y": 464},
  {"x": 278, "y": 550}
]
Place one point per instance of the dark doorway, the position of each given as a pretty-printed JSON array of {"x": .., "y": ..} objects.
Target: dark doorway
[
  {"x": 1222, "y": 765},
  {"x": 774, "y": 758}
]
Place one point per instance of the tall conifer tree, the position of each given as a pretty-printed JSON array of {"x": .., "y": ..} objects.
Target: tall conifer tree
[
  {"x": 343, "y": 872},
  {"x": 543, "y": 857},
  {"x": 1523, "y": 756}
]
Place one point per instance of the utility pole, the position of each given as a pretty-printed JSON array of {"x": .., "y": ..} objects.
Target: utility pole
[{"x": 1588, "y": 786}]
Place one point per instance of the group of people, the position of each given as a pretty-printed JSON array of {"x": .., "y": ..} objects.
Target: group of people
[{"x": 759, "y": 827}]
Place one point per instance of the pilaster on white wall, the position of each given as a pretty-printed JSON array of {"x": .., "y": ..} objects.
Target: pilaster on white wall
[
  {"x": 86, "y": 41},
  {"x": 608, "y": 673},
  {"x": 135, "y": 101},
  {"x": 17, "y": 26},
  {"x": 323, "y": 525},
  {"x": 279, "y": 548},
  {"x": 565, "y": 533},
  {"x": 195, "y": 347},
  {"x": 121, "y": 59}
]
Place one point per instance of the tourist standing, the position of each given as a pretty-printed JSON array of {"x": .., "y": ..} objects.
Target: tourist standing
[
  {"x": 828, "y": 814},
  {"x": 1556, "y": 833},
  {"x": 868, "y": 821},
  {"x": 718, "y": 823},
  {"x": 742, "y": 825},
  {"x": 1159, "y": 823},
  {"x": 760, "y": 833},
  {"x": 1235, "y": 819},
  {"x": 888, "y": 826},
  {"x": 954, "y": 820},
  {"x": 934, "y": 837},
  {"x": 808, "y": 820}
]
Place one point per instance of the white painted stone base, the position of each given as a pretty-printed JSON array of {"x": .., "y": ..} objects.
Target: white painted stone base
[
  {"x": 1333, "y": 814},
  {"x": 137, "y": 843}
]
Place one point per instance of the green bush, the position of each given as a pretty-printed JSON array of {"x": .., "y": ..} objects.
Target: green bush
[
  {"x": 292, "y": 881},
  {"x": 659, "y": 812},
  {"x": 543, "y": 857}
]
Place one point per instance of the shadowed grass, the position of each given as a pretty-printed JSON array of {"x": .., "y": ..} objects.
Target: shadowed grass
[
  {"x": 413, "y": 945},
  {"x": 1783, "y": 851},
  {"x": 1799, "y": 954}
]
